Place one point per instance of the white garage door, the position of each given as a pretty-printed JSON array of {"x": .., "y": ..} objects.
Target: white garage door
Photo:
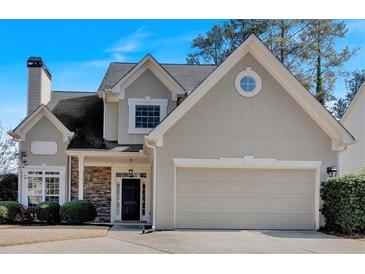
[{"x": 224, "y": 198}]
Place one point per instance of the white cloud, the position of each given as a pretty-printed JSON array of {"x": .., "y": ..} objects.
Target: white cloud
[{"x": 130, "y": 43}]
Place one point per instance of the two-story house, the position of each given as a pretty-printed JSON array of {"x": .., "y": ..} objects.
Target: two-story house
[{"x": 239, "y": 145}]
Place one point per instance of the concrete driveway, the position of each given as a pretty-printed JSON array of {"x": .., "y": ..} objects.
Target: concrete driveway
[{"x": 199, "y": 241}]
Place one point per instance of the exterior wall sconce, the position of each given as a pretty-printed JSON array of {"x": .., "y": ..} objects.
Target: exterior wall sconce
[
  {"x": 130, "y": 170},
  {"x": 332, "y": 171}
]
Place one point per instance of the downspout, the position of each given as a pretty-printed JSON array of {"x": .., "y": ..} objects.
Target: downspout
[
  {"x": 154, "y": 184},
  {"x": 20, "y": 174}
]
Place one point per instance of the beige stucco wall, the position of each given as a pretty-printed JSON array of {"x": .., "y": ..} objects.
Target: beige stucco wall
[
  {"x": 44, "y": 130},
  {"x": 146, "y": 85},
  {"x": 226, "y": 124},
  {"x": 111, "y": 127},
  {"x": 352, "y": 160}
]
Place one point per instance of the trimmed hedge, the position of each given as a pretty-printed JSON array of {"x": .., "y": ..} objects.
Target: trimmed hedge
[
  {"x": 77, "y": 212},
  {"x": 48, "y": 212},
  {"x": 11, "y": 212},
  {"x": 344, "y": 204}
]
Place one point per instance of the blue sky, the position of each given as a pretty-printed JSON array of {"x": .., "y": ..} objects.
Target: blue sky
[{"x": 78, "y": 52}]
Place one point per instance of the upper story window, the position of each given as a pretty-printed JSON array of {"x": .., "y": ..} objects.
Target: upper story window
[
  {"x": 248, "y": 83},
  {"x": 145, "y": 114}
]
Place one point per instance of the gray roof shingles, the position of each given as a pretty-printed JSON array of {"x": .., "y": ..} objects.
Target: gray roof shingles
[
  {"x": 188, "y": 76},
  {"x": 82, "y": 113},
  {"x": 84, "y": 116}
]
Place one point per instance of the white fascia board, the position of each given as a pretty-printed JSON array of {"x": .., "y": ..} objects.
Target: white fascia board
[
  {"x": 326, "y": 121},
  {"x": 246, "y": 162},
  {"x": 33, "y": 118}
]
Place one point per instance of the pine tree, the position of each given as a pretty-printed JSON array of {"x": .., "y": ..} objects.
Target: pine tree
[
  {"x": 211, "y": 47},
  {"x": 353, "y": 82},
  {"x": 322, "y": 61},
  {"x": 215, "y": 45}
]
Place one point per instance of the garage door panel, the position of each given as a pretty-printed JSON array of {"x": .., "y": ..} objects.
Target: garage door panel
[
  {"x": 243, "y": 206},
  {"x": 220, "y": 221},
  {"x": 244, "y": 198}
]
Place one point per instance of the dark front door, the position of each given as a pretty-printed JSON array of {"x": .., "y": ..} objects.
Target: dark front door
[{"x": 130, "y": 199}]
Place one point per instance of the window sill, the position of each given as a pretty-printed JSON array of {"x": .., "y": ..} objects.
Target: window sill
[{"x": 139, "y": 130}]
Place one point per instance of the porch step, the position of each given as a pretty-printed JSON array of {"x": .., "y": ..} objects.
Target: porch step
[{"x": 126, "y": 226}]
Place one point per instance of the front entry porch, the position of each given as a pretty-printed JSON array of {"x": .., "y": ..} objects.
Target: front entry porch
[{"x": 119, "y": 186}]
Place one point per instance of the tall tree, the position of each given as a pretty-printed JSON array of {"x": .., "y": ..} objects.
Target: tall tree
[
  {"x": 211, "y": 47},
  {"x": 215, "y": 45},
  {"x": 352, "y": 82},
  {"x": 238, "y": 30},
  {"x": 8, "y": 153},
  {"x": 282, "y": 38},
  {"x": 322, "y": 60}
]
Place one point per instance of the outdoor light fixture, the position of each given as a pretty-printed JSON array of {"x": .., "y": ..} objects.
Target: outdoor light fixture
[
  {"x": 332, "y": 171},
  {"x": 130, "y": 170}
]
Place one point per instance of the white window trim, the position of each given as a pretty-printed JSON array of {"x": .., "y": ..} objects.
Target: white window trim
[
  {"x": 249, "y": 162},
  {"x": 43, "y": 168},
  {"x": 132, "y": 102},
  {"x": 248, "y": 72}
]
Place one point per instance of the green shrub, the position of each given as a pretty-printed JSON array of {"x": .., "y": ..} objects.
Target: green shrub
[
  {"x": 77, "y": 212},
  {"x": 8, "y": 187},
  {"x": 344, "y": 204},
  {"x": 11, "y": 212},
  {"x": 48, "y": 212}
]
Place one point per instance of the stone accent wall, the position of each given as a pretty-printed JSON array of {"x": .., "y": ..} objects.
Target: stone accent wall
[
  {"x": 74, "y": 178},
  {"x": 97, "y": 189}
]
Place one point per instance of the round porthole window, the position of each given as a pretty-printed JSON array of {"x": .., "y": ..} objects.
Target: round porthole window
[{"x": 248, "y": 83}]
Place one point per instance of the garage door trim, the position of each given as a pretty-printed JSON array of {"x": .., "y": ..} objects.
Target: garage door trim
[{"x": 249, "y": 162}]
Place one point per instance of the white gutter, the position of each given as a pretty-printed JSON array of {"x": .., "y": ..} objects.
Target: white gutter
[
  {"x": 154, "y": 183},
  {"x": 80, "y": 152}
]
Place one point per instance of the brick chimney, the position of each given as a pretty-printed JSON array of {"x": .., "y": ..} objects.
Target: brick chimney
[{"x": 39, "y": 83}]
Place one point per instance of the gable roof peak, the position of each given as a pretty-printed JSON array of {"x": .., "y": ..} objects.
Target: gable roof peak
[{"x": 339, "y": 135}]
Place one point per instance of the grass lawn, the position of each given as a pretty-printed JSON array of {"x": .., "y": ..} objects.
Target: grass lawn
[{"x": 27, "y": 234}]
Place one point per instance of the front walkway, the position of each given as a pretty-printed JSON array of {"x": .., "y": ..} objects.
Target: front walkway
[{"x": 121, "y": 240}]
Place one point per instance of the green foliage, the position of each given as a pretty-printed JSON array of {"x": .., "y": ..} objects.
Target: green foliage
[
  {"x": 11, "y": 212},
  {"x": 353, "y": 82},
  {"x": 8, "y": 187},
  {"x": 77, "y": 212},
  {"x": 339, "y": 108},
  {"x": 344, "y": 203},
  {"x": 216, "y": 44},
  {"x": 323, "y": 61},
  {"x": 212, "y": 47},
  {"x": 48, "y": 212}
]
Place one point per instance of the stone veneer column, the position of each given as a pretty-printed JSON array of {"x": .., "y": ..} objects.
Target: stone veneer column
[{"x": 97, "y": 189}]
